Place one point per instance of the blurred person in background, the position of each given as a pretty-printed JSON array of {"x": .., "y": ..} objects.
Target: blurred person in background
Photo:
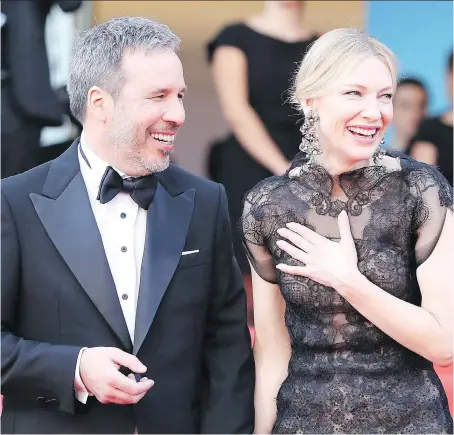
[
  {"x": 61, "y": 30},
  {"x": 252, "y": 64},
  {"x": 28, "y": 101},
  {"x": 351, "y": 252},
  {"x": 433, "y": 142},
  {"x": 410, "y": 106}
]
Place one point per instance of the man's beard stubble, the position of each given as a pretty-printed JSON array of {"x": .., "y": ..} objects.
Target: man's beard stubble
[
  {"x": 124, "y": 133},
  {"x": 154, "y": 167}
]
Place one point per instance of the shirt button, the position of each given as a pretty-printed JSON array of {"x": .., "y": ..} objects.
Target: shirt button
[
  {"x": 124, "y": 296},
  {"x": 124, "y": 249},
  {"x": 123, "y": 215}
]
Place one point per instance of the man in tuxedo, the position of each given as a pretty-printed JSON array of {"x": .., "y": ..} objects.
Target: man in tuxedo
[{"x": 123, "y": 308}]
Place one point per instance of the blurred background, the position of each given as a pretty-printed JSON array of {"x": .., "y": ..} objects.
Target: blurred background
[
  {"x": 37, "y": 36},
  {"x": 420, "y": 33}
]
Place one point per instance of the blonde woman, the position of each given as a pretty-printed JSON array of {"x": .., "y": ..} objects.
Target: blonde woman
[{"x": 351, "y": 256}]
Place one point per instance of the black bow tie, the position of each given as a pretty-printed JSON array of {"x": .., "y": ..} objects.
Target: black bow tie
[{"x": 140, "y": 189}]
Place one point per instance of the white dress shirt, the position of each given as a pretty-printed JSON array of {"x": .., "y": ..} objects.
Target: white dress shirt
[{"x": 122, "y": 225}]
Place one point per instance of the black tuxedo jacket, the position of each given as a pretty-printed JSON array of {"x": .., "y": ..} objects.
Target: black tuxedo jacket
[{"x": 58, "y": 296}]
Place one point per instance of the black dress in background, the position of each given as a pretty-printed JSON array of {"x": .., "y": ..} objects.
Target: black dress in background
[
  {"x": 271, "y": 64},
  {"x": 435, "y": 131}
]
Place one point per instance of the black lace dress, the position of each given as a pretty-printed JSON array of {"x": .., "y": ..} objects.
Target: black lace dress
[{"x": 345, "y": 375}]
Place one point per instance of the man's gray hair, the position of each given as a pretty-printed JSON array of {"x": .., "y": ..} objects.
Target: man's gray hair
[{"x": 98, "y": 53}]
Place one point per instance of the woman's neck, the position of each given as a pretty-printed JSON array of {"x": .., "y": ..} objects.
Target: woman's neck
[
  {"x": 278, "y": 15},
  {"x": 337, "y": 165},
  {"x": 447, "y": 118},
  {"x": 400, "y": 141},
  {"x": 283, "y": 23}
]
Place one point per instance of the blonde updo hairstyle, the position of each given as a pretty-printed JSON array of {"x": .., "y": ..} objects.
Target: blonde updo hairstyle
[{"x": 333, "y": 55}]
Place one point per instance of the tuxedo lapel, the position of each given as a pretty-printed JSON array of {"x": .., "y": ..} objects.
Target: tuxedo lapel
[
  {"x": 65, "y": 212},
  {"x": 168, "y": 222}
]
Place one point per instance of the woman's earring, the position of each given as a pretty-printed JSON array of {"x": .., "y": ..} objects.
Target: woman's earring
[
  {"x": 310, "y": 144},
  {"x": 379, "y": 152}
]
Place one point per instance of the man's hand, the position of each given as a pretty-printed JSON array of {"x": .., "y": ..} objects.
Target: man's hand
[{"x": 99, "y": 371}]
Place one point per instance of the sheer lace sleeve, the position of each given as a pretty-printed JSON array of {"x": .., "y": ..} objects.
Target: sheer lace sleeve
[
  {"x": 433, "y": 197},
  {"x": 256, "y": 225}
]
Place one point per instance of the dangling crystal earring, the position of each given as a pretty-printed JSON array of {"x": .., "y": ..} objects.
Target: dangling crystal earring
[
  {"x": 379, "y": 152},
  {"x": 310, "y": 144}
]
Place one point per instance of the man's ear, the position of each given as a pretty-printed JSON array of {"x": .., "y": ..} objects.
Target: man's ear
[{"x": 98, "y": 102}]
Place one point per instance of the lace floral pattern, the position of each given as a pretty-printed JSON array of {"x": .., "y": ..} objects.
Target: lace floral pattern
[{"x": 345, "y": 375}]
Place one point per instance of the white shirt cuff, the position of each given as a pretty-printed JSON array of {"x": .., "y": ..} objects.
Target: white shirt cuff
[{"x": 79, "y": 387}]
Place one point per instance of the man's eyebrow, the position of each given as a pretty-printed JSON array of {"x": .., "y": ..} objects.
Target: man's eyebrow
[{"x": 167, "y": 90}]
